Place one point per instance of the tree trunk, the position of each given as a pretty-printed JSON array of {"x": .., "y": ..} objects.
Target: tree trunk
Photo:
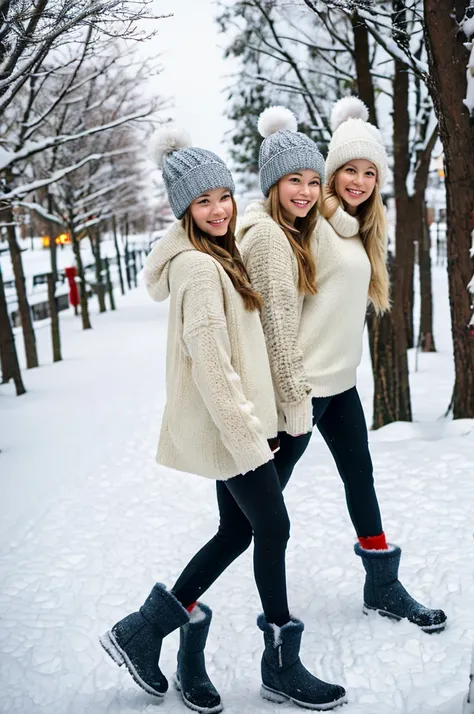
[
  {"x": 421, "y": 232},
  {"x": 405, "y": 248},
  {"x": 426, "y": 339},
  {"x": 100, "y": 287},
  {"x": 6, "y": 361},
  {"x": 128, "y": 272},
  {"x": 402, "y": 310},
  {"x": 447, "y": 84},
  {"x": 382, "y": 342},
  {"x": 134, "y": 263},
  {"x": 365, "y": 83},
  {"x": 8, "y": 354},
  {"x": 23, "y": 304},
  {"x": 117, "y": 253},
  {"x": 86, "y": 323},
  {"x": 110, "y": 287},
  {"x": 53, "y": 249},
  {"x": 53, "y": 312}
]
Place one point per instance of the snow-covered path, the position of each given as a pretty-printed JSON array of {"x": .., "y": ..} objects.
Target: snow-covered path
[{"x": 89, "y": 522}]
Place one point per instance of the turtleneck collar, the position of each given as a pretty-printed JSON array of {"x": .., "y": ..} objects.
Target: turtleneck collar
[{"x": 344, "y": 224}]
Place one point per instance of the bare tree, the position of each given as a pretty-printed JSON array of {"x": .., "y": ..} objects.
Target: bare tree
[
  {"x": 104, "y": 91},
  {"x": 445, "y": 24},
  {"x": 446, "y": 80},
  {"x": 39, "y": 43},
  {"x": 315, "y": 57},
  {"x": 29, "y": 32},
  {"x": 8, "y": 355}
]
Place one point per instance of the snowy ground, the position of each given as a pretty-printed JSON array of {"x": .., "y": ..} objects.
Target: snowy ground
[{"x": 89, "y": 522}]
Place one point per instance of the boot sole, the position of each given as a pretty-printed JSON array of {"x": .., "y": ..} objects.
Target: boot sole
[
  {"x": 384, "y": 613},
  {"x": 195, "y": 707},
  {"x": 272, "y": 695},
  {"x": 119, "y": 656}
]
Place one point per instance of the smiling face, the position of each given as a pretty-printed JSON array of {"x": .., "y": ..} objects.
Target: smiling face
[
  {"x": 298, "y": 192},
  {"x": 355, "y": 183},
  {"x": 212, "y": 211}
]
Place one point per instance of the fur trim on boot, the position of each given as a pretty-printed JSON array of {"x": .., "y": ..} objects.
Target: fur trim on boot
[{"x": 284, "y": 677}]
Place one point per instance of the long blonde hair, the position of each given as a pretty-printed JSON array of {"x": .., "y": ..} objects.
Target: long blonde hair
[
  {"x": 225, "y": 251},
  {"x": 299, "y": 237},
  {"x": 373, "y": 233}
]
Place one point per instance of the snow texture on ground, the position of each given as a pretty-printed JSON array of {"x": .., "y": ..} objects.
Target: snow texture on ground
[{"x": 90, "y": 522}]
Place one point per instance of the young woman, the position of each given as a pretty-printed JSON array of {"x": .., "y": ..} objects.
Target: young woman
[
  {"x": 316, "y": 287},
  {"x": 220, "y": 414}
]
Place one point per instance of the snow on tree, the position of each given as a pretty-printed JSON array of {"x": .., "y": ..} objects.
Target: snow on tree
[
  {"x": 445, "y": 77},
  {"x": 470, "y": 288},
  {"x": 467, "y": 26},
  {"x": 31, "y": 31},
  {"x": 308, "y": 56},
  {"x": 105, "y": 90},
  {"x": 41, "y": 44}
]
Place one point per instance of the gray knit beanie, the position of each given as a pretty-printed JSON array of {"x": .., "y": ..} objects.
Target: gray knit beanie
[
  {"x": 187, "y": 171},
  {"x": 284, "y": 149}
]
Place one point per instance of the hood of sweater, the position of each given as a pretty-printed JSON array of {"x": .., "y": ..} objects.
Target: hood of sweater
[
  {"x": 254, "y": 213},
  {"x": 157, "y": 263}
]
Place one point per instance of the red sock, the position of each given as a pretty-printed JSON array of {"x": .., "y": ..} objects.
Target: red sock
[
  {"x": 190, "y": 607},
  {"x": 378, "y": 542}
]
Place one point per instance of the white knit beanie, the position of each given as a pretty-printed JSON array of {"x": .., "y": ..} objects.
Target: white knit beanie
[{"x": 354, "y": 138}]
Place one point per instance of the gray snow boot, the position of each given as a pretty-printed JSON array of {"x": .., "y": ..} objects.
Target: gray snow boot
[
  {"x": 136, "y": 640},
  {"x": 192, "y": 680},
  {"x": 384, "y": 593},
  {"x": 284, "y": 677}
]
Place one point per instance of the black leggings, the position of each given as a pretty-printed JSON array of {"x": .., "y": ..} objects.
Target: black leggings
[
  {"x": 341, "y": 421},
  {"x": 251, "y": 503}
]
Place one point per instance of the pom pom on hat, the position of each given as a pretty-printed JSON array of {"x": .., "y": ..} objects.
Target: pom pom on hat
[
  {"x": 166, "y": 141},
  {"x": 275, "y": 119},
  {"x": 348, "y": 108}
]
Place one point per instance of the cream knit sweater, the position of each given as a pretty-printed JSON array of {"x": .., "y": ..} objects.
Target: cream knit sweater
[
  {"x": 314, "y": 342},
  {"x": 220, "y": 407}
]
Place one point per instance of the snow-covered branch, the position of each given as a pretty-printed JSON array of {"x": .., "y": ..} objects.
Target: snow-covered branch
[
  {"x": 467, "y": 27},
  {"x": 28, "y": 37},
  {"x": 40, "y": 210},
  {"x": 8, "y": 159},
  {"x": 25, "y": 189}
]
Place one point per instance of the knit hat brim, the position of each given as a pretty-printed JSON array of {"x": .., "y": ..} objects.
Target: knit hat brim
[
  {"x": 288, "y": 161},
  {"x": 204, "y": 177}
]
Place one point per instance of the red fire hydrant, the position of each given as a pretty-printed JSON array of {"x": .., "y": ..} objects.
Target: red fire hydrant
[{"x": 73, "y": 291}]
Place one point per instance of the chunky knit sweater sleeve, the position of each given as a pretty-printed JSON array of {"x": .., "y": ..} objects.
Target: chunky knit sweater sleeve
[
  {"x": 206, "y": 338},
  {"x": 273, "y": 273}
]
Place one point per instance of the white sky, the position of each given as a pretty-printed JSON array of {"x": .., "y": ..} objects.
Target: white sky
[{"x": 194, "y": 69}]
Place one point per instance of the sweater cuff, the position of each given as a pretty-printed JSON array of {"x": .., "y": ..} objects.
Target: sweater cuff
[
  {"x": 250, "y": 459},
  {"x": 344, "y": 224},
  {"x": 298, "y": 417}
]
